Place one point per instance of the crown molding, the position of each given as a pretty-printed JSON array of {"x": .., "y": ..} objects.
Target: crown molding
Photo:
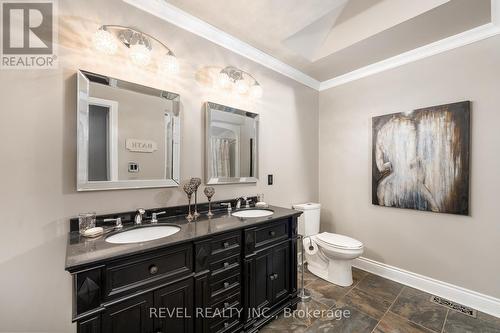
[
  {"x": 186, "y": 21},
  {"x": 443, "y": 45},
  {"x": 180, "y": 18}
]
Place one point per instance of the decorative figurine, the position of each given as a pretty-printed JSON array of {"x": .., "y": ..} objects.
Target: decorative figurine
[
  {"x": 195, "y": 182},
  {"x": 209, "y": 192},
  {"x": 189, "y": 189}
]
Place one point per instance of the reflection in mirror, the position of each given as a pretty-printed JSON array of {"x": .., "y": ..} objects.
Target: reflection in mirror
[
  {"x": 128, "y": 135},
  {"x": 231, "y": 145}
]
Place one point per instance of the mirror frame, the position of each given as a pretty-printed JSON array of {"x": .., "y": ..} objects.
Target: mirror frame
[
  {"x": 210, "y": 179},
  {"x": 82, "y": 183}
]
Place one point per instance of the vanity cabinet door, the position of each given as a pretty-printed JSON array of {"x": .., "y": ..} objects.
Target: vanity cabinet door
[
  {"x": 259, "y": 285},
  {"x": 129, "y": 316},
  {"x": 176, "y": 303},
  {"x": 90, "y": 325},
  {"x": 281, "y": 271}
]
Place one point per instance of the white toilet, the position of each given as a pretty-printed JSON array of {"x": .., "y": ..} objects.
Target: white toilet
[{"x": 328, "y": 255}]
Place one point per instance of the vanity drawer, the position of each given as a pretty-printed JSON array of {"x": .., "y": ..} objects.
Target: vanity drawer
[
  {"x": 224, "y": 286},
  {"x": 225, "y": 325},
  {"x": 137, "y": 272},
  {"x": 232, "y": 301},
  {"x": 224, "y": 265},
  {"x": 266, "y": 235},
  {"x": 225, "y": 244}
]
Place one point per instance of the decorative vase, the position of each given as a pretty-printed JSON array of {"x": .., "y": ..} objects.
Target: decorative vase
[
  {"x": 195, "y": 182},
  {"x": 209, "y": 192},
  {"x": 189, "y": 189}
]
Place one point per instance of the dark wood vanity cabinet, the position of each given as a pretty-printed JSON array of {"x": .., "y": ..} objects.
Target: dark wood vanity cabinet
[
  {"x": 179, "y": 288},
  {"x": 270, "y": 280},
  {"x": 178, "y": 298},
  {"x": 268, "y": 276},
  {"x": 129, "y": 316}
]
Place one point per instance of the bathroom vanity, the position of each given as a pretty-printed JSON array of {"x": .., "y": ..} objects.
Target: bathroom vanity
[{"x": 224, "y": 274}]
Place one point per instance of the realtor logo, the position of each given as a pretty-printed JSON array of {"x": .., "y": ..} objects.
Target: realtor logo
[{"x": 28, "y": 34}]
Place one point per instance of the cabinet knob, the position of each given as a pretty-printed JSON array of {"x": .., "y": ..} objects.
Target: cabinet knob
[
  {"x": 272, "y": 233},
  {"x": 226, "y": 245},
  {"x": 226, "y": 264},
  {"x": 226, "y": 285},
  {"x": 273, "y": 276},
  {"x": 226, "y": 325},
  {"x": 153, "y": 269},
  {"x": 226, "y": 304}
]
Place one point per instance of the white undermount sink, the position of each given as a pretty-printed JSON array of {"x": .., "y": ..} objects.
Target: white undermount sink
[
  {"x": 143, "y": 234},
  {"x": 248, "y": 213}
]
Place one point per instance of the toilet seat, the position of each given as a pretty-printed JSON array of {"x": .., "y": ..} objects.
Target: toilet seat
[{"x": 339, "y": 241}]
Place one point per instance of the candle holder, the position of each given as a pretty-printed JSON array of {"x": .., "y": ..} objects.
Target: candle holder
[
  {"x": 195, "y": 182},
  {"x": 189, "y": 189},
  {"x": 209, "y": 192}
]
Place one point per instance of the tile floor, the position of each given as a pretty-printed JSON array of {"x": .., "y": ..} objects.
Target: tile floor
[{"x": 376, "y": 305}]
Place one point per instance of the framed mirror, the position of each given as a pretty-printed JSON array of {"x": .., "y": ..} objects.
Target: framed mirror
[
  {"x": 231, "y": 145},
  {"x": 128, "y": 135}
]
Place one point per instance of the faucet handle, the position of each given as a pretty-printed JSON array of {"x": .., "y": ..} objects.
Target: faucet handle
[
  {"x": 247, "y": 202},
  {"x": 154, "y": 216},
  {"x": 228, "y": 204},
  {"x": 118, "y": 221}
]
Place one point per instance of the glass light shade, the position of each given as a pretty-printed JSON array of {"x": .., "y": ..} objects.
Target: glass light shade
[
  {"x": 256, "y": 91},
  {"x": 223, "y": 80},
  {"x": 140, "y": 54},
  {"x": 169, "y": 64},
  {"x": 242, "y": 86},
  {"x": 105, "y": 42}
]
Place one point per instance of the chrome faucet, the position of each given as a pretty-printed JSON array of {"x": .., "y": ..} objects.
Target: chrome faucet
[
  {"x": 138, "y": 215},
  {"x": 238, "y": 202}
]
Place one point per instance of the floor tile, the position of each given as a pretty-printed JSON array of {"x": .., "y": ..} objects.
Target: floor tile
[
  {"x": 310, "y": 311},
  {"x": 375, "y": 307},
  {"x": 326, "y": 292},
  {"x": 356, "y": 322},
  {"x": 486, "y": 317},
  {"x": 417, "y": 307},
  {"x": 358, "y": 275},
  {"x": 286, "y": 325},
  {"x": 380, "y": 287},
  {"x": 460, "y": 323},
  {"x": 392, "y": 323}
]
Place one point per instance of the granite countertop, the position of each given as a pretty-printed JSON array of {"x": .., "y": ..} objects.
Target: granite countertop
[{"x": 82, "y": 251}]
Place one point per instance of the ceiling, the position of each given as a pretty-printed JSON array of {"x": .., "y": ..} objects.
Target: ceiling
[{"x": 328, "y": 38}]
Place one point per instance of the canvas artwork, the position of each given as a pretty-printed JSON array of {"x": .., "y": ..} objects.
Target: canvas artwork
[{"x": 420, "y": 159}]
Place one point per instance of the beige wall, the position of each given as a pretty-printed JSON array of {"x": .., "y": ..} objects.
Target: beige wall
[
  {"x": 456, "y": 249},
  {"x": 37, "y": 170}
]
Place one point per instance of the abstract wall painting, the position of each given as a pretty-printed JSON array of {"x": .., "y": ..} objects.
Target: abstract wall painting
[{"x": 420, "y": 159}]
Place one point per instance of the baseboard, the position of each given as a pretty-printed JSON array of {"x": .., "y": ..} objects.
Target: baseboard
[{"x": 478, "y": 301}]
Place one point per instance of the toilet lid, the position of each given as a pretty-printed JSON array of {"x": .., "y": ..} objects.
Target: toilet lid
[{"x": 339, "y": 240}]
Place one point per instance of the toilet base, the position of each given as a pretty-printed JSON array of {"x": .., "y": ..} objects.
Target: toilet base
[{"x": 338, "y": 272}]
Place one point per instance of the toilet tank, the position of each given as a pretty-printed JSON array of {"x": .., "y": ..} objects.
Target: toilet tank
[{"x": 309, "y": 220}]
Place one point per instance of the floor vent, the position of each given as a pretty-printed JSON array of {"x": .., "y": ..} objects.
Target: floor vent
[{"x": 454, "y": 306}]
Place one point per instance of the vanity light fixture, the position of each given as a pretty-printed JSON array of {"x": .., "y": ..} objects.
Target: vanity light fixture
[
  {"x": 140, "y": 47},
  {"x": 239, "y": 81}
]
